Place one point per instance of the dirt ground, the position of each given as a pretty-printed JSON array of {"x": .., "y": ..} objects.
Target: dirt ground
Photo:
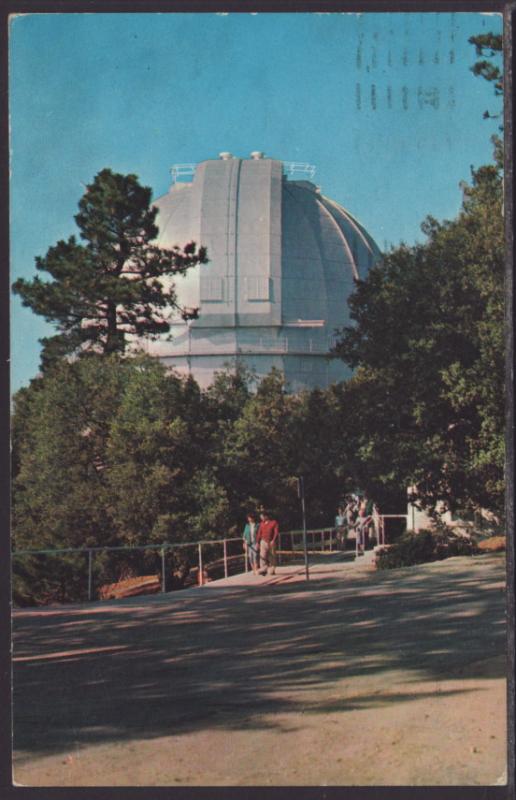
[{"x": 356, "y": 678}]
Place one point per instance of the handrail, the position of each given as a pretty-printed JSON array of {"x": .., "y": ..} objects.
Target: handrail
[
  {"x": 124, "y": 547},
  {"x": 167, "y": 546}
]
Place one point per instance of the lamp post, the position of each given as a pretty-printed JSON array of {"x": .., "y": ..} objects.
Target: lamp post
[{"x": 301, "y": 495}]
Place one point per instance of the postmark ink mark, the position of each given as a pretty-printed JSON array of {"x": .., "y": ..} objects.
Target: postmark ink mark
[{"x": 428, "y": 97}]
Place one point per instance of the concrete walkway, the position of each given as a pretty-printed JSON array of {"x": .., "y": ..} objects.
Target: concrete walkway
[
  {"x": 356, "y": 677},
  {"x": 284, "y": 574},
  {"x": 333, "y": 563}
]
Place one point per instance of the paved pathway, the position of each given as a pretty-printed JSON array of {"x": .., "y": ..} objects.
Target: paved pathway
[{"x": 354, "y": 678}]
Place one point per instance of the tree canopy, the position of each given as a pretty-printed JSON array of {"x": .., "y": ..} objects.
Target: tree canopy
[
  {"x": 428, "y": 342},
  {"x": 115, "y": 284},
  {"x": 111, "y": 451}
]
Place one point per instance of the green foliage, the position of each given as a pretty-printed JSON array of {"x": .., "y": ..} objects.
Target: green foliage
[
  {"x": 277, "y": 437},
  {"x": 60, "y": 429},
  {"x": 111, "y": 451},
  {"x": 489, "y": 47},
  {"x": 419, "y": 548},
  {"x": 61, "y": 425},
  {"x": 427, "y": 400},
  {"x": 160, "y": 475},
  {"x": 257, "y": 449},
  {"x": 115, "y": 285}
]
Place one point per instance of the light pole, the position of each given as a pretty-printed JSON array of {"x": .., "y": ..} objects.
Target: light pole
[{"x": 301, "y": 495}]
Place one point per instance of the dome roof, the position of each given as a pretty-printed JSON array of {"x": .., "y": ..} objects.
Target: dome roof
[{"x": 282, "y": 257}]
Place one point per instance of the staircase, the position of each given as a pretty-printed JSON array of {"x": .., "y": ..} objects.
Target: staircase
[{"x": 368, "y": 559}]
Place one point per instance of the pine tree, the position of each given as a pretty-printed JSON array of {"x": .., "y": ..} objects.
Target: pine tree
[{"x": 118, "y": 282}]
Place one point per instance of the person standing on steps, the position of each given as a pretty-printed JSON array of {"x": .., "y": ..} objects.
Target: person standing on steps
[
  {"x": 365, "y": 518},
  {"x": 250, "y": 546},
  {"x": 351, "y": 513},
  {"x": 266, "y": 539}
]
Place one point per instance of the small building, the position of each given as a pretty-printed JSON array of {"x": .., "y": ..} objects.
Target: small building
[{"x": 283, "y": 260}]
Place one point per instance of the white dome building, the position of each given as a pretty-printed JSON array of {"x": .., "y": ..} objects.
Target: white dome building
[{"x": 282, "y": 262}]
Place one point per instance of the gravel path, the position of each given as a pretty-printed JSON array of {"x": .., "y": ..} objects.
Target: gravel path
[{"x": 356, "y": 678}]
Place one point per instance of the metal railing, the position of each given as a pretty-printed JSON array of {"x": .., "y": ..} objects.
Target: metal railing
[
  {"x": 161, "y": 549},
  {"x": 181, "y": 172},
  {"x": 262, "y": 346},
  {"x": 292, "y": 168},
  {"x": 319, "y": 540},
  {"x": 378, "y": 525}
]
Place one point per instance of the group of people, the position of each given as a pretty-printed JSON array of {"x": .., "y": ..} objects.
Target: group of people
[
  {"x": 260, "y": 543},
  {"x": 358, "y": 514}
]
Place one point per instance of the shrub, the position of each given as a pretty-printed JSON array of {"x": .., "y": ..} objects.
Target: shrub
[{"x": 418, "y": 548}]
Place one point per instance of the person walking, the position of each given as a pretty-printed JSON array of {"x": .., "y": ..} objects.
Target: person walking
[
  {"x": 340, "y": 527},
  {"x": 267, "y": 536},
  {"x": 250, "y": 546}
]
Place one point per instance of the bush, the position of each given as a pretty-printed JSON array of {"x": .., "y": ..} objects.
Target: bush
[{"x": 418, "y": 548}]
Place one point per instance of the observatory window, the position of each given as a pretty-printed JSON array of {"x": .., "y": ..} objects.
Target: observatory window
[
  {"x": 212, "y": 290},
  {"x": 257, "y": 288}
]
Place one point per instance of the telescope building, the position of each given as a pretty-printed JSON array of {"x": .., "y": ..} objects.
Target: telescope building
[{"x": 283, "y": 259}]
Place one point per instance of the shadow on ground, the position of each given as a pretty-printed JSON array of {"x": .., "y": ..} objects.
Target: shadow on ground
[{"x": 227, "y": 658}]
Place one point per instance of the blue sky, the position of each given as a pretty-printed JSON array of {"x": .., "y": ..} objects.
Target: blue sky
[{"x": 384, "y": 105}]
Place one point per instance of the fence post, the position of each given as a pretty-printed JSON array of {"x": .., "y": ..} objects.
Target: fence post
[
  {"x": 163, "y": 568},
  {"x": 331, "y": 540},
  {"x": 200, "y": 565},
  {"x": 225, "y": 558},
  {"x": 90, "y": 575},
  {"x": 278, "y": 556}
]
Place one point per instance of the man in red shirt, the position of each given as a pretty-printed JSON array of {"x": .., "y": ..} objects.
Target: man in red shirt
[{"x": 268, "y": 532}]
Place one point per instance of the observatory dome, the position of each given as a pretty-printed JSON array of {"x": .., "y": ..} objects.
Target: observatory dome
[{"x": 283, "y": 259}]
